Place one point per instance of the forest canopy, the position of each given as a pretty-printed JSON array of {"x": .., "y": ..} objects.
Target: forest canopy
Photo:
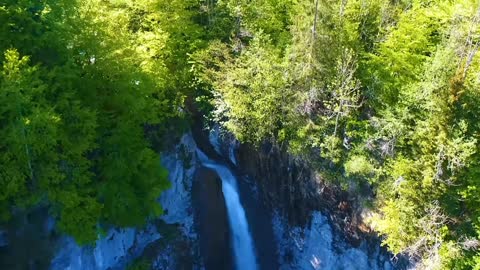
[
  {"x": 378, "y": 95},
  {"x": 79, "y": 85}
]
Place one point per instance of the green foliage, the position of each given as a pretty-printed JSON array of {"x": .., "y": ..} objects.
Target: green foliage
[
  {"x": 399, "y": 60},
  {"x": 359, "y": 165},
  {"x": 254, "y": 93},
  {"x": 383, "y": 92},
  {"x": 84, "y": 81},
  {"x": 28, "y": 131},
  {"x": 270, "y": 17},
  {"x": 140, "y": 265}
]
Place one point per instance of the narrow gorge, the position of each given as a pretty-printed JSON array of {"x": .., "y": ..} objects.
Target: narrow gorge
[
  {"x": 218, "y": 215},
  {"x": 239, "y": 134}
]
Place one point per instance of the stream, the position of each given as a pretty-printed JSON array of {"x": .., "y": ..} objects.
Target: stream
[
  {"x": 215, "y": 218},
  {"x": 244, "y": 251}
]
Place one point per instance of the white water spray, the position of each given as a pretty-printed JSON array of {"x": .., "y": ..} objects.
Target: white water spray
[{"x": 242, "y": 240}]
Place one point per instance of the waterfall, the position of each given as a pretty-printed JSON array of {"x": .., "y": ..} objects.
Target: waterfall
[{"x": 242, "y": 241}]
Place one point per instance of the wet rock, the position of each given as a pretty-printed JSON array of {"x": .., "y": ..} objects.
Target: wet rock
[
  {"x": 212, "y": 220},
  {"x": 256, "y": 212},
  {"x": 120, "y": 247},
  {"x": 291, "y": 189},
  {"x": 315, "y": 247},
  {"x": 29, "y": 243},
  {"x": 288, "y": 185},
  {"x": 176, "y": 201},
  {"x": 114, "y": 251},
  {"x": 3, "y": 239}
]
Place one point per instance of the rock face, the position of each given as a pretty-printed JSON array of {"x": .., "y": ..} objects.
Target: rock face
[
  {"x": 292, "y": 189},
  {"x": 117, "y": 249},
  {"x": 315, "y": 247},
  {"x": 211, "y": 219},
  {"x": 181, "y": 164},
  {"x": 289, "y": 185},
  {"x": 295, "y": 220},
  {"x": 27, "y": 241},
  {"x": 316, "y": 226},
  {"x": 221, "y": 147},
  {"x": 3, "y": 239},
  {"x": 167, "y": 243}
]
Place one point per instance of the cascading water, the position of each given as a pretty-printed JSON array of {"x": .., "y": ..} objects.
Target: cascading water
[{"x": 242, "y": 241}]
